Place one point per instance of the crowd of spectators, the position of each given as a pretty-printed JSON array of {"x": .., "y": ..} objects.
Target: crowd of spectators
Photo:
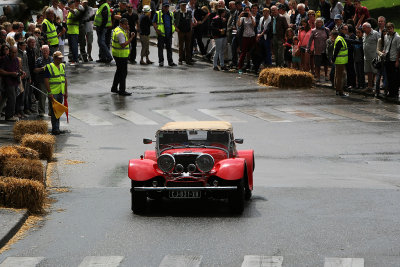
[{"x": 238, "y": 36}]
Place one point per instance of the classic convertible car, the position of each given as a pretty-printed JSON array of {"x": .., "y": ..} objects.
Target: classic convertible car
[{"x": 196, "y": 159}]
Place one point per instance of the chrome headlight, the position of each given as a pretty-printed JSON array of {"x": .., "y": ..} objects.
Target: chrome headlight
[
  {"x": 166, "y": 162},
  {"x": 205, "y": 162}
]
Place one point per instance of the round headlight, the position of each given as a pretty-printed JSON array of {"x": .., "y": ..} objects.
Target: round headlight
[
  {"x": 166, "y": 162},
  {"x": 205, "y": 162}
]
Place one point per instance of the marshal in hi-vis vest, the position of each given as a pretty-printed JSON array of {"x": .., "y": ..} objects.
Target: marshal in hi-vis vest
[
  {"x": 343, "y": 56},
  {"x": 51, "y": 32},
  {"x": 98, "y": 19},
  {"x": 72, "y": 23},
  {"x": 57, "y": 78},
  {"x": 160, "y": 22},
  {"x": 117, "y": 50}
]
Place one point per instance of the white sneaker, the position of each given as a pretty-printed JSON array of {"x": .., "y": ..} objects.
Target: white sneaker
[{"x": 13, "y": 118}]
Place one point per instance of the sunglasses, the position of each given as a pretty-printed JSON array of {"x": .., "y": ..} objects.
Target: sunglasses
[{"x": 38, "y": 32}]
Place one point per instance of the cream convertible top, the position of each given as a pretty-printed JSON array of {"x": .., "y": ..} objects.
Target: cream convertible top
[{"x": 197, "y": 125}]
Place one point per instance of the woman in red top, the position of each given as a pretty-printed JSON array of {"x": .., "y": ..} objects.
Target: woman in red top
[
  {"x": 304, "y": 36},
  {"x": 361, "y": 15}
]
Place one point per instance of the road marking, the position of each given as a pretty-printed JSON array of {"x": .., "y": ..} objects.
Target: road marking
[
  {"x": 21, "y": 261},
  {"x": 304, "y": 114},
  {"x": 344, "y": 262},
  {"x": 262, "y": 261},
  {"x": 220, "y": 115},
  {"x": 383, "y": 112},
  {"x": 134, "y": 117},
  {"x": 351, "y": 115},
  {"x": 101, "y": 261},
  {"x": 181, "y": 261},
  {"x": 262, "y": 115},
  {"x": 90, "y": 119},
  {"x": 174, "y": 115}
]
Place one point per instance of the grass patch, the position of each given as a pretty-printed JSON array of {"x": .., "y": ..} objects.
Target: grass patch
[{"x": 372, "y": 4}]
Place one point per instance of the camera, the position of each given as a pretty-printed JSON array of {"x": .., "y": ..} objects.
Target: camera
[{"x": 245, "y": 15}]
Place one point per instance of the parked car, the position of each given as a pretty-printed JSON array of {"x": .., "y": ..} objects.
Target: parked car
[{"x": 196, "y": 159}]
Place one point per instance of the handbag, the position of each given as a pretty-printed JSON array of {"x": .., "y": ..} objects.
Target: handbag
[{"x": 377, "y": 62}]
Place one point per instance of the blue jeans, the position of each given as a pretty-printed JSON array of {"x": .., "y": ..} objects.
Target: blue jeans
[
  {"x": 73, "y": 42},
  {"x": 381, "y": 74},
  {"x": 55, "y": 123},
  {"x": 104, "y": 51},
  {"x": 220, "y": 44},
  {"x": 266, "y": 45}
]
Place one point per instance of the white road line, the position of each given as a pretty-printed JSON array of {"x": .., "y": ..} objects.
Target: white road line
[
  {"x": 21, "y": 261},
  {"x": 304, "y": 114},
  {"x": 101, "y": 261},
  {"x": 90, "y": 119},
  {"x": 134, "y": 117},
  {"x": 174, "y": 115},
  {"x": 383, "y": 112},
  {"x": 262, "y": 261},
  {"x": 351, "y": 115},
  {"x": 221, "y": 115},
  {"x": 344, "y": 262},
  {"x": 262, "y": 115},
  {"x": 181, "y": 261}
]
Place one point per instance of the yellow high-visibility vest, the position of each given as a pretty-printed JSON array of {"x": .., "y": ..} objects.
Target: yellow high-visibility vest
[
  {"x": 343, "y": 56},
  {"x": 51, "y": 32},
  {"x": 72, "y": 23},
  {"x": 98, "y": 19},
  {"x": 57, "y": 78},
  {"x": 117, "y": 50},
  {"x": 160, "y": 22}
]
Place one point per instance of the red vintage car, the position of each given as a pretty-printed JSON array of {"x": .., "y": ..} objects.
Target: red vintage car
[{"x": 196, "y": 159}]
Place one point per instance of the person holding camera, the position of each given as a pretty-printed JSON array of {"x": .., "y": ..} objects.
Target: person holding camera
[
  {"x": 248, "y": 22},
  {"x": 121, "y": 40}
]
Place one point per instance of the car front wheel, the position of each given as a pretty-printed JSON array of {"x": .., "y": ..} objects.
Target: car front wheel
[
  {"x": 237, "y": 198},
  {"x": 139, "y": 201}
]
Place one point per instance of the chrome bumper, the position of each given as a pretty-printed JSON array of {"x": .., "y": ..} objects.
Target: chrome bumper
[{"x": 205, "y": 188}]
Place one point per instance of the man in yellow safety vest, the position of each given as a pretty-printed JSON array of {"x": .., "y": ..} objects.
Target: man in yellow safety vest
[
  {"x": 55, "y": 81},
  {"x": 121, "y": 40},
  {"x": 49, "y": 29},
  {"x": 164, "y": 24},
  {"x": 340, "y": 59},
  {"x": 73, "y": 31}
]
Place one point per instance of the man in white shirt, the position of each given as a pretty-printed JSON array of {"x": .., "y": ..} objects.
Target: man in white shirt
[
  {"x": 88, "y": 27},
  {"x": 263, "y": 38},
  {"x": 57, "y": 11}
]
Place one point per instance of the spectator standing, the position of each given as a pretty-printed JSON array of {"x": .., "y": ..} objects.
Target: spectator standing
[
  {"x": 23, "y": 106},
  {"x": 230, "y": 26},
  {"x": 49, "y": 30},
  {"x": 73, "y": 31},
  {"x": 292, "y": 12},
  {"x": 145, "y": 24},
  {"x": 40, "y": 67},
  {"x": 319, "y": 36},
  {"x": 10, "y": 71},
  {"x": 248, "y": 39},
  {"x": 200, "y": 28},
  {"x": 283, "y": 13},
  {"x": 302, "y": 14},
  {"x": 381, "y": 24},
  {"x": 184, "y": 22},
  {"x": 288, "y": 47},
  {"x": 338, "y": 22},
  {"x": 58, "y": 12},
  {"x": 349, "y": 10},
  {"x": 218, "y": 27},
  {"x": 121, "y": 40},
  {"x": 370, "y": 41},
  {"x": 277, "y": 29},
  {"x": 325, "y": 9},
  {"x": 381, "y": 72},
  {"x": 392, "y": 54},
  {"x": 295, "y": 53},
  {"x": 164, "y": 25},
  {"x": 361, "y": 15},
  {"x": 359, "y": 60},
  {"x": 102, "y": 21},
  {"x": 88, "y": 24},
  {"x": 118, "y": 12},
  {"x": 304, "y": 37},
  {"x": 237, "y": 34},
  {"x": 133, "y": 20},
  {"x": 263, "y": 37},
  {"x": 56, "y": 84},
  {"x": 336, "y": 9},
  {"x": 191, "y": 8},
  {"x": 350, "y": 38},
  {"x": 340, "y": 58}
]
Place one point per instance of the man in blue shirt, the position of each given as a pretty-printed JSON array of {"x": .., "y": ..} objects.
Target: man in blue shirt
[{"x": 164, "y": 24}]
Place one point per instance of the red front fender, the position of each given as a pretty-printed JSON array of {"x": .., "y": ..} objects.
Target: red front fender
[
  {"x": 230, "y": 169},
  {"x": 248, "y": 155},
  {"x": 142, "y": 169}
]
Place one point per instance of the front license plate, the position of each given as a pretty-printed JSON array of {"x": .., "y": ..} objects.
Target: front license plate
[{"x": 184, "y": 194}]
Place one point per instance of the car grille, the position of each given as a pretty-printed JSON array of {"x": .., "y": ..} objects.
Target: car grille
[
  {"x": 185, "y": 159},
  {"x": 184, "y": 184}
]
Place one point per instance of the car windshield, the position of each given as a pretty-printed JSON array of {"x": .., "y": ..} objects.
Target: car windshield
[{"x": 171, "y": 139}]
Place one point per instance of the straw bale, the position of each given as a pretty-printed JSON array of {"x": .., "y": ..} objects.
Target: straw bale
[
  {"x": 26, "y": 152},
  {"x": 29, "y": 127},
  {"x": 7, "y": 152},
  {"x": 22, "y": 193},
  {"x": 285, "y": 78},
  {"x": 31, "y": 169},
  {"x": 42, "y": 143}
]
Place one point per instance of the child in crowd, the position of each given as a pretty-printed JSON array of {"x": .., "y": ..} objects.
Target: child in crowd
[
  {"x": 288, "y": 47},
  {"x": 295, "y": 53}
]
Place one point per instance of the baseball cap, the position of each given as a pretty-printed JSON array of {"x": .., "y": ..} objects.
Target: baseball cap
[
  {"x": 165, "y": 3},
  {"x": 338, "y": 16},
  {"x": 58, "y": 54}
]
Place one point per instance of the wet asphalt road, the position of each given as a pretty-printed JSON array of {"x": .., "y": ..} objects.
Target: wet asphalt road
[{"x": 326, "y": 180}]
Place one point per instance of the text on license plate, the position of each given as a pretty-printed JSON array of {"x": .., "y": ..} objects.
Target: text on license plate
[{"x": 184, "y": 194}]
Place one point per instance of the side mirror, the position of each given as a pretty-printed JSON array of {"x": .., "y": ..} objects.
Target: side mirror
[
  {"x": 147, "y": 141},
  {"x": 239, "y": 141}
]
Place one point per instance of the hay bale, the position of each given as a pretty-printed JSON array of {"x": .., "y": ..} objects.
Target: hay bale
[
  {"x": 31, "y": 169},
  {"x": 7, "y": 152},
  {"x": 22, "y": 193},
  {"x": 29, "y": 127},
  {"x": 26, "y": 152},
  {"x": 285, "y": 78},
  {"x": 42, "y": 143}
]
